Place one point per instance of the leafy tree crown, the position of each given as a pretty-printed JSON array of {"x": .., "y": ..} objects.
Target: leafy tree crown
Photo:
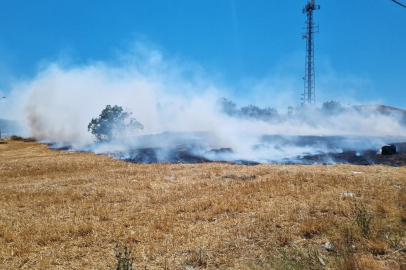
[{"x": 112, "y": 122}]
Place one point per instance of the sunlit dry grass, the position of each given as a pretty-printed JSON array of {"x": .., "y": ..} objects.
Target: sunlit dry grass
[{"x": 65, "y": 210}]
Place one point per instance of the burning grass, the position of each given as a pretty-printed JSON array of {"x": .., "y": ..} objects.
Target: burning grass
[{"x": 68, "y": 210}]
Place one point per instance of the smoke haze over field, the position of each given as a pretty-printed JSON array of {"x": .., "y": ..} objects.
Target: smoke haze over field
[{"x": 58, "y": 104}]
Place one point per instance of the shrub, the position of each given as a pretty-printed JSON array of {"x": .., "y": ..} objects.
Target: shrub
[{"x": 16, "y": 138}]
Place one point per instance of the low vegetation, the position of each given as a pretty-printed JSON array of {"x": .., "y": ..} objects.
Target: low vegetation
[
  {"x": 247, "y": 112},
  {"x": 67, "y": 210}
]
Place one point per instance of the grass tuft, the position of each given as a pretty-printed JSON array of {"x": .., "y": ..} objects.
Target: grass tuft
[
  {"x": 197, "y": 258},
  {"x": 363, "y": 218},
  {"x": 124, "y": 258}
]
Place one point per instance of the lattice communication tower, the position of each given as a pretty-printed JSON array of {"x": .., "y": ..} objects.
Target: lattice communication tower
[{"x": 309, "y": 95}]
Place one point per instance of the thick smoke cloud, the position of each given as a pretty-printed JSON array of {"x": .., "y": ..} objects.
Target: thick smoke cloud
[{"x": 166, "y": 95}]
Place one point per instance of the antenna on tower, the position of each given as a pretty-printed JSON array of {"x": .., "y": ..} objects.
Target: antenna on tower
[{"x": 309, "y": 95}]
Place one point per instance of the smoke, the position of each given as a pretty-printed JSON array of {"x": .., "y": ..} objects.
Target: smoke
[{"x": 170, "y": 96}]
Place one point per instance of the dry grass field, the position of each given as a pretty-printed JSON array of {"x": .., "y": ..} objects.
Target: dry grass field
[{"x": 67, "y": 210}]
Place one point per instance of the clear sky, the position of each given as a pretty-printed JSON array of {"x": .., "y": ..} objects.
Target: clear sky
[{"x": 360, "y": 50}]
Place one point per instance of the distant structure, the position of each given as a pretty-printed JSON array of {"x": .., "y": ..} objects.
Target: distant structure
[{"x": 309, "y": 95}]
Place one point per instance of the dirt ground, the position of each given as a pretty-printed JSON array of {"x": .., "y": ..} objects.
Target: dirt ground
[{"x": 68, "y": 210}]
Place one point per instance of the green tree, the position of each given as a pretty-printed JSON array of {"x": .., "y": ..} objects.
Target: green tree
[
  {"x": 332, "y": 107},
  {"x": 227, "y": 106},
  {"x": 255, "y": 112},
  {"x": 113, "y": 122}
]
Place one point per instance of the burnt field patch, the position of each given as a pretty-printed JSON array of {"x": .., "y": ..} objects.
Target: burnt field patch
[
  {"x": 363, "y": 157},
  {"x": 275, "y": 149},
  {"x": 187, "y": 156}
]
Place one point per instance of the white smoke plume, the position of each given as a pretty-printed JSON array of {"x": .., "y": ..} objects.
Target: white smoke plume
[{"x": 164, "y": 95}]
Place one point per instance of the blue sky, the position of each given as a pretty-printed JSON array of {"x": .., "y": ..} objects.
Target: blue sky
[{"x": 240, "y": 44}]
